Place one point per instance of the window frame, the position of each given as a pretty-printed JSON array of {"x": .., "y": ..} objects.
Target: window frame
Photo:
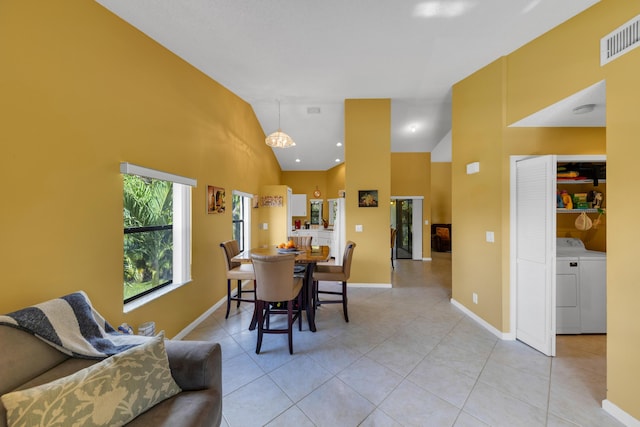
[
  {"x": 182, "y": 230},
  {"x": 247, "y": 204}
]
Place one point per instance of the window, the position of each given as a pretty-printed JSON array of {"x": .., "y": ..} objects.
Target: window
[
  {"x": 157, "y": 231},
  {"x": 241, "y": 219}
]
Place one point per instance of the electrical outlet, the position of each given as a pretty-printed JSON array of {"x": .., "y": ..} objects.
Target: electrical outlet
[{"x": 475, "y": 298}]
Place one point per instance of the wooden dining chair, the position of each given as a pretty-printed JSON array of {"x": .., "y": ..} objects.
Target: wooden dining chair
[
  {"x": 275, "y": 282},
  {"x": 334, "y": 273},
  {"x": 239, "y": 272},
  {"x": 301, "y": 241}
]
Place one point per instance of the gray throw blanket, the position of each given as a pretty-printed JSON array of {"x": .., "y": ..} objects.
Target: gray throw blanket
[{"x": 71, "y": 325}]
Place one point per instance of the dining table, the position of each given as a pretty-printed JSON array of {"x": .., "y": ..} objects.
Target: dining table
[{"x": 308, "y": 256}]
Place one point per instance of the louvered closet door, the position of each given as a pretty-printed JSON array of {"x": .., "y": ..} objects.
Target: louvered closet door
[{"x": 535, "y": 253}]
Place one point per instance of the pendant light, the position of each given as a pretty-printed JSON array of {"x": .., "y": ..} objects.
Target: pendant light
[{"x": 279, "y": 139}]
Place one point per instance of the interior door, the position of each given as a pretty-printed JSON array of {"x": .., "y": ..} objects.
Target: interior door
[
  {"x": 536, "y": 253},
  {"x": 404, "y": 225}
]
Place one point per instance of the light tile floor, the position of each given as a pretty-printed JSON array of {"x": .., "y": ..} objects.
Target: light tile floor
[{"x": 407, "y": 357}]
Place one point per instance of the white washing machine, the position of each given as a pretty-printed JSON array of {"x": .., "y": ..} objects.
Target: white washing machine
[{"x": 581, "y": 288}]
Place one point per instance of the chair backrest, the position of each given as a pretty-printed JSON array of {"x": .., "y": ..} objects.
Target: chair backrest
[
  {"x": 230, "y": 249},
  {"x": 301, "y": 241},
  {"x": 274, "y": 276},
  {"x": 393, "y": 237},
  {"x": 346, "y": 260}
]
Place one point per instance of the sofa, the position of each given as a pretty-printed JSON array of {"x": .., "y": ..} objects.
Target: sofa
[{"x": 196, "y": 367}]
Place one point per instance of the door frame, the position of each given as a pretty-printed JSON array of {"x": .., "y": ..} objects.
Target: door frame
[
  {"x": 416, "y": 224},
  {"x": 512, "y": 225}
]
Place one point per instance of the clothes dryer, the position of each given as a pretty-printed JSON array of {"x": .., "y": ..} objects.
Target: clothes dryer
[{"x": 581, "y": 292}]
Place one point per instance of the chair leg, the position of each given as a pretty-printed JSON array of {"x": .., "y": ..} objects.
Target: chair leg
[
  {"x": 300, "y": 311},
  {"x": 392, "y": 259},
  {"x": 259, "y": 306},
  {"x": 290, "y": 325},
  {"x": 228, "y": 298},
  {"x": 344, "y": 301},
  {"x": 239, "y": 293}
]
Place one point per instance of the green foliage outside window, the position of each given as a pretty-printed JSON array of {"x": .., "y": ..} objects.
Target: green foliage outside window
[{"x": 148, "y": 234}]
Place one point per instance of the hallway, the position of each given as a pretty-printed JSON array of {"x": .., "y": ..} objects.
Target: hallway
[{"x": 407, "y": 357}]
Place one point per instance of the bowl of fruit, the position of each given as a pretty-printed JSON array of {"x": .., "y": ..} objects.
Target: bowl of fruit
[{"x": 287, "y": 247}]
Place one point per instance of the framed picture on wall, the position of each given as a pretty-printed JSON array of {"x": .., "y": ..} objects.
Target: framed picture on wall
[
  {"x": 215, "y": 199},
  {"x": 367, "y": 198}
]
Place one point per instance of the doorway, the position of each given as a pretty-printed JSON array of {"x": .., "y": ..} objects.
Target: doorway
[
  {"x": 406, "y": 218},
  {"x": 534, "y": 253},
  {"x": 404, "y": 224}
]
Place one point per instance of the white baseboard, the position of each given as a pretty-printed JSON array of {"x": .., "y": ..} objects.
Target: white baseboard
[
  {"x": 369, "y": 285},
  {"x": 427, "y": 259},
  {"x": 620, "y": 415},
  {"x": 502, "y": 335},
  {"x": 183, "y": 333}
]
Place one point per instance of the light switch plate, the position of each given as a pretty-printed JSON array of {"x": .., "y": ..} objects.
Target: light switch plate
[
  {"x": 359, "y": 228},
  {"x": 473, "y": 168},
  {"x": 490, "y": 237}
]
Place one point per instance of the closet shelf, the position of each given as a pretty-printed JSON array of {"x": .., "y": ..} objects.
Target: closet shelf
[
  {"x": 579, "y": 181},
  {"x": 568, "y": 211}
]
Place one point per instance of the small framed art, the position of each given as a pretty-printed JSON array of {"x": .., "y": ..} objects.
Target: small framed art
[
  {"x": 215, "y": 199},
  {"x": 367, "y": 198}
]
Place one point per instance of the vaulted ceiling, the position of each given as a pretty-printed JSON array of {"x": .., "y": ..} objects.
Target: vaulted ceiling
[{"x": 308, "y": 57}]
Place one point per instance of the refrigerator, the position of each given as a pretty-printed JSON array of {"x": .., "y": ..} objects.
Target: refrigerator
[{"x": 337, "y": 222}]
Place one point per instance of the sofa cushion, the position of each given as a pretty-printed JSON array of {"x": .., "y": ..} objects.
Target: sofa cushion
[{"x": 111, "y": 392}]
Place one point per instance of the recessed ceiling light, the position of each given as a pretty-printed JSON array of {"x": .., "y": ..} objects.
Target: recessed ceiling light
[
  {"x": 413, "y": 129},
  {"x": 337, "y": 160},
  {"x": 339, "y": 144},
  {"x": 449, "y": 9},
  {"x": 297, "y": 160}
]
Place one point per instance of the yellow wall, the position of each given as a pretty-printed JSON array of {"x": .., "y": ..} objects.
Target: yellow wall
[
  {"x": 441, "y": 193},
  {"x": 478, "y": 104},
  {"x": 83, "y": 91},
  {"x": 368, "y": 130},
  {"x": 335, "y": 181},
  {"x": 416, "y": 183},
  {"x": 623, "y": 291},
  {"x": 548, "y": 69},
  {"x": 275, "y": 217}
]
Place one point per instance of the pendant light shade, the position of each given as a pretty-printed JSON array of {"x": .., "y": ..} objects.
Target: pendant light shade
[{"x": 279, "y": 139}]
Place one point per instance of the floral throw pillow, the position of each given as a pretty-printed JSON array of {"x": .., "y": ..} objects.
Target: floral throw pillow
[{"x": 109, "y": 393}]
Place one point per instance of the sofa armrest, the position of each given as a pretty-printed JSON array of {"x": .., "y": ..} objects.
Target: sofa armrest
[{"x": 195, "y": 365}]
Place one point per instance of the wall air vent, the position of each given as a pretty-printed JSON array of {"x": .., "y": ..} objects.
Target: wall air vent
[{"x": 620, "y": 41}]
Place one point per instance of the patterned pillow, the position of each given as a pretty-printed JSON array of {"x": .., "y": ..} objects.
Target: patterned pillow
[{"x": 109, "y": 393}]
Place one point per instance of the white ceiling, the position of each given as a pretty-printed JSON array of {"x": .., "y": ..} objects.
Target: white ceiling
[{"x": 317, "y": 54}]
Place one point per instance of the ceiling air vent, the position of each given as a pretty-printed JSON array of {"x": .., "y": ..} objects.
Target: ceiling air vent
[{"x": 620, "y": 41}]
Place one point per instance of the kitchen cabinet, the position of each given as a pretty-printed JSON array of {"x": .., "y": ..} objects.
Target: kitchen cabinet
[{"x": 298, "y": 205}]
